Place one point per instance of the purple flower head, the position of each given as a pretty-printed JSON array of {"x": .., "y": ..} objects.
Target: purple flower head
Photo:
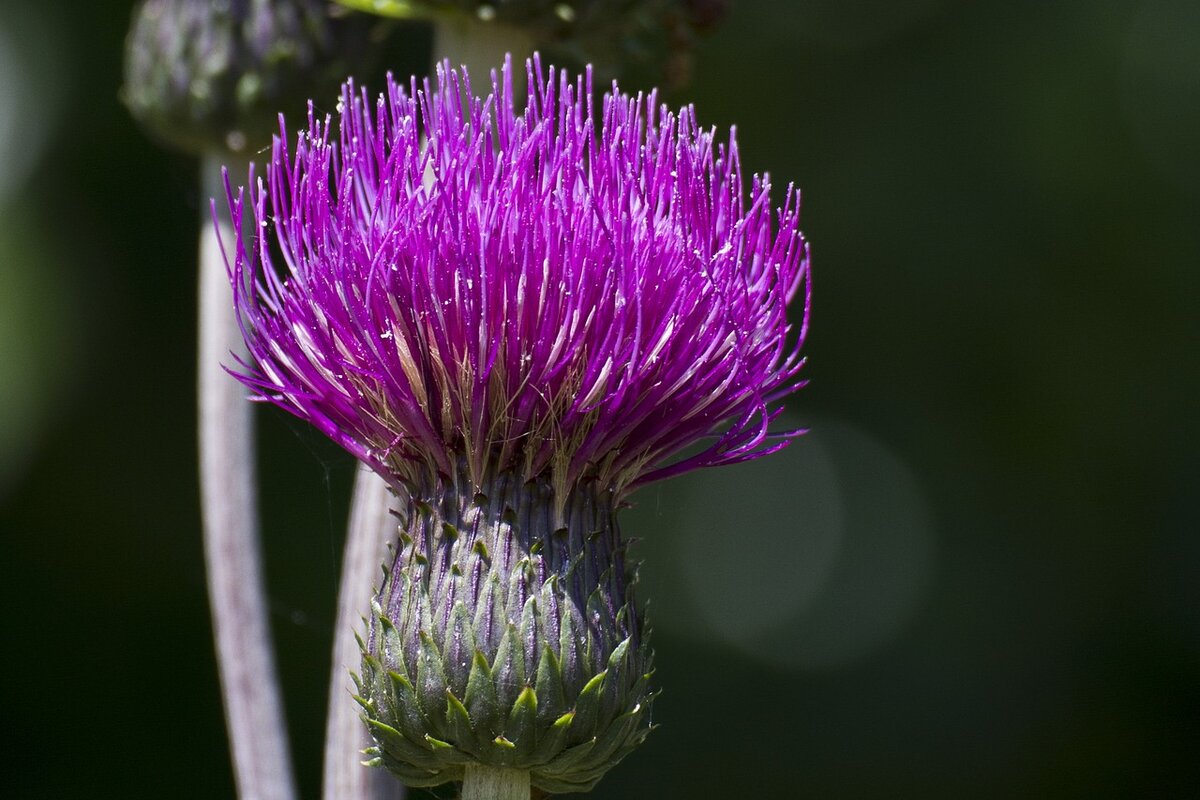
[{"x": 562, "y": 292}]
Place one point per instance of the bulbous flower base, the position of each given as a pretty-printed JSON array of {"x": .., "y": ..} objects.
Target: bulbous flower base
[{"x": 505, "y": 634}]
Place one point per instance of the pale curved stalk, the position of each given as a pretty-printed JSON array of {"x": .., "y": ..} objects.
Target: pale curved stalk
[
  {"x": 371, "y": 529},
  {"x": 249, "y": 682}
]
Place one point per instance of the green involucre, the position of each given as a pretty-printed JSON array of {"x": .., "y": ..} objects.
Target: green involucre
[{"x": 486, "y": 649}]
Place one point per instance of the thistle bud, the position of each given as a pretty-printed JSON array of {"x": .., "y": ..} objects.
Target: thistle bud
[{"x": 208, "y": 76}]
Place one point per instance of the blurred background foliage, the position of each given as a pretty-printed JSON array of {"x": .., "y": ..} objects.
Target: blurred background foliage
[{"x": 976, "y": 577}]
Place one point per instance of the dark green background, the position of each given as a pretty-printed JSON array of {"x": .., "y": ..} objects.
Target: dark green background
[{"x": 978, "y": 577}]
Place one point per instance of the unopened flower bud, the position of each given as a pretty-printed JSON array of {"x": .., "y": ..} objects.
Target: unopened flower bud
[{"x": 209, "y": 76}]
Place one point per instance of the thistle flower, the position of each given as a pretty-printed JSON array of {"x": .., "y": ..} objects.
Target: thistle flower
[{"x": 517, "y": 318}]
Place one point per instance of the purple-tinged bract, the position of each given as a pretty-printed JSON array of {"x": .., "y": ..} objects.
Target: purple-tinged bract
[{"x": 548, "y": 292}]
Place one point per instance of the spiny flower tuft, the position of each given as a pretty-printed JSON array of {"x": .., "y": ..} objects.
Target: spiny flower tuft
[
  {"x": 517, "y": 318},
  {"x": 521, "y": 291}
]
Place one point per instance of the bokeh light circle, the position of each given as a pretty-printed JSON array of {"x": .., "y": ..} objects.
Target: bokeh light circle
[{"x": 811, "y": 558}]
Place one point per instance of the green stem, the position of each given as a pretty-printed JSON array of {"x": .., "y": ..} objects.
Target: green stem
[
  {"x": 246, "y": 661},
  {"x": 494, "y": 783}
]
